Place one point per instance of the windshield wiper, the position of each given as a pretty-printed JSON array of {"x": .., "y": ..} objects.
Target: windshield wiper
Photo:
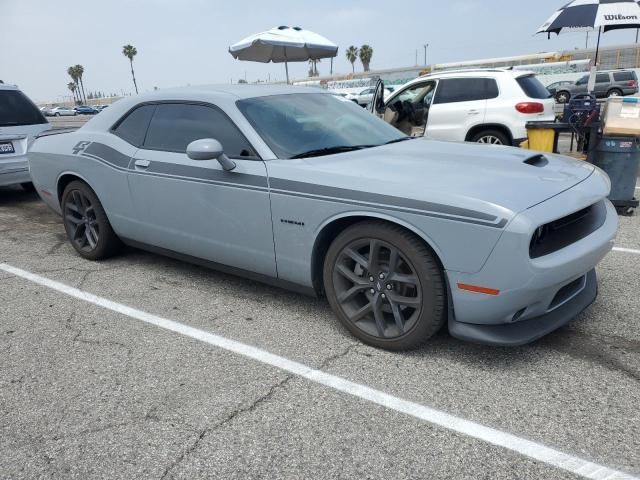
[
  {"x": 398, "y": 140},
  {"x": 331, "y": 150}
]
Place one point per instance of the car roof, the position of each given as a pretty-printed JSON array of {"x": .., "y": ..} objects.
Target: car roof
[
  {"x": 239, "y": 91},
  {"x": 473, "y": 72},
  {"x": 5, "y": 86}
]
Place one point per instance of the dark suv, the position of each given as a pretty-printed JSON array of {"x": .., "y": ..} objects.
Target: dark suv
[{"x": 613, "y": 83}]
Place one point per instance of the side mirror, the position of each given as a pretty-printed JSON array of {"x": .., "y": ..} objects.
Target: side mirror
[{"x": 209, "y": 149}]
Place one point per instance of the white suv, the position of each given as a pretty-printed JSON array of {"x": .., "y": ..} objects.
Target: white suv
[
  {"x": 20, "y": 122},
  {"x": 485, "y": 106}
]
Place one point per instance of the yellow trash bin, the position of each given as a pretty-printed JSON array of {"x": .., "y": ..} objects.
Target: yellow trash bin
[
  {"x": 541, "y": 139},
  {"x": 542, "y": 136}
]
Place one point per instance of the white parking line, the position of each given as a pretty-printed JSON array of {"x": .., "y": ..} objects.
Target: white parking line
[
  {"x": 626, "y": 250},
  {"x": 502, "y": 439}
]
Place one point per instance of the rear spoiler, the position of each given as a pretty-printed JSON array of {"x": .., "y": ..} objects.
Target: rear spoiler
[{"x": 57, "y": 131}]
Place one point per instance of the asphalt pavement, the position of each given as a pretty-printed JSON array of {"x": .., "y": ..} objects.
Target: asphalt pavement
[{"x": 89, "y": 392}]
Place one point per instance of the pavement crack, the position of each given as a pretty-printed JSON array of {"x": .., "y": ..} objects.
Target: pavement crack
[
  {"x": 229, "y": 418},
  {"x": 329, "y": 360}
]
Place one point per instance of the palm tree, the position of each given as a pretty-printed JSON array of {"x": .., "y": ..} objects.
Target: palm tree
[
  {"x": 366, "y": 52},
  {"x": 130, "y": 51},
  {"x": 352, "y": 56},
  {"x": 74, "y": 76},
  {"x": 72, "y": 86},
  {"x": 313, "y": 69},
  {"x": 79, "y": 72}
]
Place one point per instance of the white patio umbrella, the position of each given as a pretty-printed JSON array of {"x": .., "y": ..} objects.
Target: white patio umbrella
[{"x": 283, "y": 45}]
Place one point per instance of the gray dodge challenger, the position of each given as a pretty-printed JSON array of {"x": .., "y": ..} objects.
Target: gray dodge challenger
[{"x": 296, "y": 187}]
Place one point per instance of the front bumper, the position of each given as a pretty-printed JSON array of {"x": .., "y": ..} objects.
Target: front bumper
[{"x": 521, "y": 333}]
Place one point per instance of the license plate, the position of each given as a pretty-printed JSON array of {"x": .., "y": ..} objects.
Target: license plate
[{"x": 6, "y": 147}]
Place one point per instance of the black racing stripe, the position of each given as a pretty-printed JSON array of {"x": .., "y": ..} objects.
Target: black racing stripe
[
  {"x": 202, "y": 173},
  {"x": 500, "y": 224},
  {"x": 309, "y": 188},
  {"x": 108, "y": 154}
]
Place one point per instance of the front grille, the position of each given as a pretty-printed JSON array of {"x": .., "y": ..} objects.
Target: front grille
[{"x": 565, "y": 231}]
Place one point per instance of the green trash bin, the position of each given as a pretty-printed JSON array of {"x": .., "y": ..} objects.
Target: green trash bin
[{"x": 620, "y": 158}]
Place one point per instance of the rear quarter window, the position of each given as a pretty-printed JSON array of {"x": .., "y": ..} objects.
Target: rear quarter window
[
  {"x": 532, "y": 87},
  {"x": 133, "y": 127},
  {"x": 16, "y": 110},
  {"x": 624, "y": 76}
]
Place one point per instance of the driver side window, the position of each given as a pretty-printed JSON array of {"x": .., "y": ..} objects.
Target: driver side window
[{"x": 409, "y": 110}]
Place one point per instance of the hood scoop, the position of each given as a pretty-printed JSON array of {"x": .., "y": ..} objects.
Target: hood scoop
[{"x": 538, "y": 160}]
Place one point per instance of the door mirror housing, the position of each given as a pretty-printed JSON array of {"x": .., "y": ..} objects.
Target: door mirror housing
[{"x": 209, "y": 149}]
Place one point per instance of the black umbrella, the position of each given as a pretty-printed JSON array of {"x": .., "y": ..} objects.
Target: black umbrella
[{"x": 590, "y": 15}]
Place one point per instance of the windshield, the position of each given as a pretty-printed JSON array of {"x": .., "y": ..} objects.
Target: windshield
[
  {"x": 17, "y": 110},
  {"x": 297, "y": 123}
]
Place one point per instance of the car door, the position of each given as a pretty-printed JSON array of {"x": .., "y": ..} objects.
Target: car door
[
  {"x": 194, "y": 207},
  {"x": 409, "y": 109},
  {"x": 459, "y": 105},
  {"x": 603, "y": 82},
  {"x": 581, "y": 86}
]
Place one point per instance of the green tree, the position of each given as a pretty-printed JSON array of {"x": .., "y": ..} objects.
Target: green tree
[
  {"x": 80, "y": 72},
  {"x": 130, "y": 51},
  {"x": 366, "y": 52},
  {"x": 72, "y": 86},
  {"x": 73, "y": 73},
  {"x": 313, "y": 68},
  {"x": 352, "y": 56}
]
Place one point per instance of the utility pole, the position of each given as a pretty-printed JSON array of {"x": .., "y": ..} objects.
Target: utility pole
[
  {"x": 637, "y": 32},
  {"x": 586, "y": 43},
  {"x": 426, "y": 45}
]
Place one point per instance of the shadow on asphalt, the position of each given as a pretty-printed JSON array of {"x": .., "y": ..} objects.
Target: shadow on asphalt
[{"x": 15, "y": 195}]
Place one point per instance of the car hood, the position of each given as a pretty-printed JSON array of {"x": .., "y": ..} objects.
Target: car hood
[{"x": 499, "y": 181}]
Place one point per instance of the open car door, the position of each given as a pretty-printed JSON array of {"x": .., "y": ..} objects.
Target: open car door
[{"x": 377, "y": 102}]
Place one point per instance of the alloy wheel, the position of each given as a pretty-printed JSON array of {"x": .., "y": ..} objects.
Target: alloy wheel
[
  {"x": 377, "y": 288},
  {"x": 81, "y": 222},
  {"x": 490, "y": 140}
]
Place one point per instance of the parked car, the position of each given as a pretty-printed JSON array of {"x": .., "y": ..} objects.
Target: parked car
[
  {"x": 364, "y": 97},
  {"x": 62, "y": 112},
  {"x": 484, "y": 106},
  {"x": 20, "y": 122},
  {"x": 556, "y": 87},
  {"x": 298, "y": 188},
  {"x": 86, "y": 110},
  {"x": 613, "y": 83}
]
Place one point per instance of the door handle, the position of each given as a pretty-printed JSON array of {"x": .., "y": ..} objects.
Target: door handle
[
  {"x": 142, "y": 163},
  {"x": 473, "y": 112}
]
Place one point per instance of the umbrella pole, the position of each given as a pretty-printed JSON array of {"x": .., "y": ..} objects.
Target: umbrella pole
[
  {"x": 598, "y": 47},
  {"x": 286, "y": 69}
]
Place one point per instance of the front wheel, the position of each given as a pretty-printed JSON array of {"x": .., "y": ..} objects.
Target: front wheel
[
  {"x": 385, "y": 286},
  {"x": 563, "y": 97},
  {"x": 57, "y": 114},
  {"x": 86, "y": 223}
]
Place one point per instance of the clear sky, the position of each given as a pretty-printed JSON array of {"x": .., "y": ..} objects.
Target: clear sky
[{"x": 184, "y": 42}]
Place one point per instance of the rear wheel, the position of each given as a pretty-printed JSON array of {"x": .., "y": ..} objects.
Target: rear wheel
[
  {"x": 491, "y": 137},
  {"x": 563, "y": 97},
  {"x": 614, "y": 92},
  {"x": 86, "y": 223},
  {"x": 385, "y": 286}
]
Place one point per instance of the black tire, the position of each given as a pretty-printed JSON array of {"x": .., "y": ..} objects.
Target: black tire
[
  {"x": 404, "y": 305},
  {"x": 57, "y": 114},
  {"x": 491, "y": 137},
  {"x": 86, "y": 223},
  {"x": 28, "y": 187},
  {"x": 614, "y": 92},
  {"x": 563, "y": 96}
]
